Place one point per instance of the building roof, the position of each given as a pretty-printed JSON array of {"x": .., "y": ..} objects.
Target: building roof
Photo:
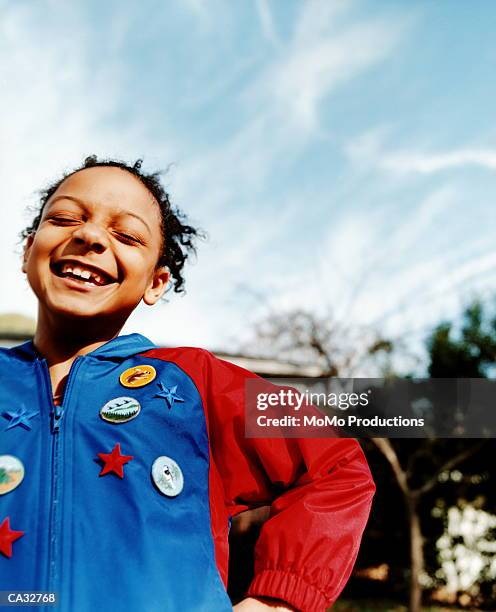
[
  {"x": 272, "y": 368},
  {"x": 16, "y": 328}
]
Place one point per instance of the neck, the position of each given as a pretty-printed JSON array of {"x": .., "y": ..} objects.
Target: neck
[{"x": 62, "y": 340}]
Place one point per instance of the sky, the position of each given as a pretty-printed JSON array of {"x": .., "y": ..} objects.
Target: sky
[{"x": 341, "y": 156}]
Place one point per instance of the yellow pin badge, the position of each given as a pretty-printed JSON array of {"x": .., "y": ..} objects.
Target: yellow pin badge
[{"x": 138, "y": 376}]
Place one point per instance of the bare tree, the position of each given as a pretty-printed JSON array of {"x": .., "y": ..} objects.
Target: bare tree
[
  {"x": 303, "y": 337},
  {"x": 412, "y": 497},
  {"x": 340, "y": 351}
]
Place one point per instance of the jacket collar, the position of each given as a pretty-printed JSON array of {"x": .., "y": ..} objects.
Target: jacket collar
[{"x": 120, "y": 347}]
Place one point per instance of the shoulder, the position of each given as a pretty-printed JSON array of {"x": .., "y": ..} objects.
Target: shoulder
[
  {"x": 15, "y": 354},
  {"x": 5, "y": 354},
  {"x": 199, "y": 363},
  {"x": 193, "y": 361},
  {"x": 180, "y": 354}
]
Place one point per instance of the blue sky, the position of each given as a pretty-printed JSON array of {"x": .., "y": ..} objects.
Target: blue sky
[{"x": 341, "y": 155}]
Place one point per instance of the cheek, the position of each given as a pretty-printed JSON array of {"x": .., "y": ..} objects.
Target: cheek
[
  {"x": 41, "y": 247},
  {"x": 140, "y": 268},
  {"x": 35, "y": 258}
]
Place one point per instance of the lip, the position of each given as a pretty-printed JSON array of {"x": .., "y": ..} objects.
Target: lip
[
  {"x": 72, "y": 283},
  {"x": 57, "y": 265}
]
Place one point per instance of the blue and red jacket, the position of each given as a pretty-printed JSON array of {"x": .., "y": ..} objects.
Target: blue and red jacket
[{"x": 104, "y": 542}]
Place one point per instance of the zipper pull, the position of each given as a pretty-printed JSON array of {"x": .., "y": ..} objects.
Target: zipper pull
[{"x": 56, "y": 418}]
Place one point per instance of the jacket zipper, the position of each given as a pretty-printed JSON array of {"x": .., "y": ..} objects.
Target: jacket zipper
[{"x": 56, "y": 414}]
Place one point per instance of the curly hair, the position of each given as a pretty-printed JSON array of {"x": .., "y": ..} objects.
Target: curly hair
[{"x": 178, "y": 238}]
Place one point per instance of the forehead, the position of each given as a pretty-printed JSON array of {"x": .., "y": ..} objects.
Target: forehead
[{"x": 111, "y": 188}]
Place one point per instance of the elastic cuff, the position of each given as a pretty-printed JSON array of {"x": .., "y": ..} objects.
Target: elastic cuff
[{"x": 289, "y": 588}]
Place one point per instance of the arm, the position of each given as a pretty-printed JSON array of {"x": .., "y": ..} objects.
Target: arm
[{"x": 320, "y": 491}]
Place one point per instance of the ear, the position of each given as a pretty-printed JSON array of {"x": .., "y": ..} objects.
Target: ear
[
  {"x": 157, "y": 286},
  {"x": 27, "y": 249}
]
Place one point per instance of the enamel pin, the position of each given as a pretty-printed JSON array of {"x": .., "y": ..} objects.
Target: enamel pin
[
  {"x": 114, "y": 461},
  {"x": 20, "y": 417},
  {"x": 120, "y": 410},
  {"x": 11, "y": 473},
  {"x": 169, "y": 394},
  {"x": 167, "y": 476},
  {"x": 7, "y": 536},
  {"x": 138, "y": 376}
]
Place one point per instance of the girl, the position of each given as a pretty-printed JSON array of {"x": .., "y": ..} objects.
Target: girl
[{"x": 123, "y": 463}]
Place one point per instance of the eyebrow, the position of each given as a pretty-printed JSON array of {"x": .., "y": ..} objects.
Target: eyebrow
[{"x": 83, "y": 204}]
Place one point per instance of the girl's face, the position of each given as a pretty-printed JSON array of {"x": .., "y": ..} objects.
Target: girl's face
[{"x": 95, "y": 251}]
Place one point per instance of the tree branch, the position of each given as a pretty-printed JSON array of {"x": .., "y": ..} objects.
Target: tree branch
[
  {"x": 386, "y": 448},
  {"x": 448, "y": 465}
]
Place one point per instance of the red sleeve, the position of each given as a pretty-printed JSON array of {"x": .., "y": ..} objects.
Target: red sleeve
[{"x": 320, "y": 491}]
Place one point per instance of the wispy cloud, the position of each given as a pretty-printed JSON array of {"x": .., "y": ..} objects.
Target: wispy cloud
[
  {"x": 428, "y": 163},
  {"x": 54, "y": 110},
  {"x": 267, "y": 22},
  {"x": 281, "y": 104},
  {"x": 243, "y": 124},
  {"x": 320, "y": 57},
  {"x": 281, "y": 101},
  {"x": 371, "y": 149},
  {"x": 199, "y": 9}
]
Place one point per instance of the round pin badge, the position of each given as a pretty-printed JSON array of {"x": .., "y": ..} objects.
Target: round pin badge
[
  {"x": 11, "y": 473},
  {"x": 138, "y": 376},
  {"x": 120, "y": 410},
  {"x": 167, "y": 476}
]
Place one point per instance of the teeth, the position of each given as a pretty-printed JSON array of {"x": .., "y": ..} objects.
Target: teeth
[
  {"x": 77, "y": 272},
  {"x": 83, "y": 273}
]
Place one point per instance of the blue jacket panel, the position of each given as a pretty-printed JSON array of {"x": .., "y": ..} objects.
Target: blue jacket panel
[{"x": 100, "y": 541}]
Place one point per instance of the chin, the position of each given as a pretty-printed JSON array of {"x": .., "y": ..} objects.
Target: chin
[
  {"x": 83, "y": 310},
  {"x": 70, "y": 312},
  {"x": 74, "y": 308}
]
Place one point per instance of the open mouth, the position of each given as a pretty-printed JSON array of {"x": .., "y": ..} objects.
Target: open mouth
[{"x": 82, "y": 273}]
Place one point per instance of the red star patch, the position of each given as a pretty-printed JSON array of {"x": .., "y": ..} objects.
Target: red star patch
[
  {"x": 7, "y": 536},
  {"x": 114, "y": 461}
]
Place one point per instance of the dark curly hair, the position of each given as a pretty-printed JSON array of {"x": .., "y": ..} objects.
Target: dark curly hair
[{"x": 178, "y": 238}]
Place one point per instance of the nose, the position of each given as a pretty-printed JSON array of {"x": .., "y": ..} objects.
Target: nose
[{"x": 91, "y": 236}]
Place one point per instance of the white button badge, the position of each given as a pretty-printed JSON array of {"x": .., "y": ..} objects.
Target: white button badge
[
  {"x": 11, "y": 473},
  {"x": 167, "y": 476},
  {"x": 120, "y": 410}
]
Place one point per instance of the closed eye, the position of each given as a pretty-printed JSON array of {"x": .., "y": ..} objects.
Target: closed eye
[
  {"x": 129, "y": 238},
  {"x": 62, "y": 220}
]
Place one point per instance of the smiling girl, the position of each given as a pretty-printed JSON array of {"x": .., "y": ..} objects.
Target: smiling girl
[{"x": 130, "y": 460}]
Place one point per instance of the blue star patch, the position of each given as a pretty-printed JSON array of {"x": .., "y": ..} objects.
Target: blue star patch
[
  {"x": 169, "y": 394},
  {"x": 19, "y": 417}
]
